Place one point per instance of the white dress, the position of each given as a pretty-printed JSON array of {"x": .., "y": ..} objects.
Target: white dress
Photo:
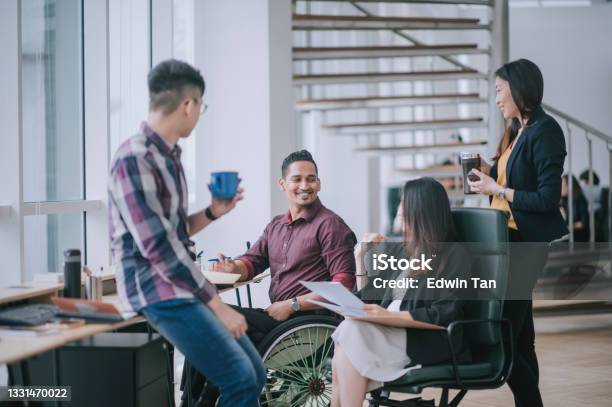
[{"x": 377, "y": 352}]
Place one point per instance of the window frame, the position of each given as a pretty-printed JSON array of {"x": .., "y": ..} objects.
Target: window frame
[{"x": 96, "y": 137}]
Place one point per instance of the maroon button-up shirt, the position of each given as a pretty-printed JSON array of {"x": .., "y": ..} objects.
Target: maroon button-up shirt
[{"x": 318, "y": 246}]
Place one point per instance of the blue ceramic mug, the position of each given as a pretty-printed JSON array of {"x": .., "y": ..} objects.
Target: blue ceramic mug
[{"x": 224, "y": 184}]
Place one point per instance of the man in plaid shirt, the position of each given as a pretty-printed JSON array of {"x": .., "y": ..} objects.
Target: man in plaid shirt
[{"x": 150, "y": 230}]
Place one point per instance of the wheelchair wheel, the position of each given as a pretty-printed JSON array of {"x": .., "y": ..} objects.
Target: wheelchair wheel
[{"x": 297, "y": 356}]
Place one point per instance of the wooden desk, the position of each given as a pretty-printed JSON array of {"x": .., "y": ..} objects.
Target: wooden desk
[
  {"x": 28, "y": 292},
  {"x": 14, "y": 348},
  {"x": 42, "y": 290}
]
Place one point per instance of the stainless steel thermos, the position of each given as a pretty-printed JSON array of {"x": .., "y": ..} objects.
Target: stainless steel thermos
[{"x": 72, "y": 273}]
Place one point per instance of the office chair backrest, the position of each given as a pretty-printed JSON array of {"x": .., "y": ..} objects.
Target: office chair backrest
[{"x": 485, "y": 235}]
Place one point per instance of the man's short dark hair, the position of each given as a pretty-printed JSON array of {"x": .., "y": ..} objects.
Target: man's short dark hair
[
  {"x": 584, "y": 176},
  {"x": 302, "y": 155},
  {"x": 170, "y": 81}
]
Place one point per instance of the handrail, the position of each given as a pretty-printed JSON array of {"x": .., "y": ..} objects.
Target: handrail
[
  {"x": 591, "y": 130},
  {"x": 588, "y": 130}
]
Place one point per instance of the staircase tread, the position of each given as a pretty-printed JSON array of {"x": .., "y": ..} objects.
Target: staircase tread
[
  {"x": 451, "y": 2},
  {"x": 387, "y": 48},
  {"x": 325, "y": 17},
  {"x": 422, "y": 146},
  {"x": 387, "y": 74},
  {"x": 433, "y": 169},
  {"x": 434, "y": 121},
  {"x": 395, "y": 97}
]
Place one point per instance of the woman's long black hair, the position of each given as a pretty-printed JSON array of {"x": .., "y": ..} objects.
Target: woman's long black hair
[
  {"x": 527, "y": 89},
  {"x": 428, "y": 221}
]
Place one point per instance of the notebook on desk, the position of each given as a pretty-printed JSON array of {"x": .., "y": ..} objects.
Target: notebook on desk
[
  {"x": 221, "y": 278},
  {"x": 78, "y": 308}
]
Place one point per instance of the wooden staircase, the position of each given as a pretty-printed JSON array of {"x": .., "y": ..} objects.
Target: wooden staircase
[{"x": 440, "y": 106}]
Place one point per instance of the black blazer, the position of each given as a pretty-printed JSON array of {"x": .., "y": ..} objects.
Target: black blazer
[
  {"x": 429, "y": 347},
  {"x": 534, "y": 172}
]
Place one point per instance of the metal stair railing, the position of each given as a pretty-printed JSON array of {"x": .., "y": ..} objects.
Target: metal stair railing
[{"x": 589, "y": 133}]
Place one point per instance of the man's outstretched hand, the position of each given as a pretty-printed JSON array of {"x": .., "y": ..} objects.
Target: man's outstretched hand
[{"x": 220, "y": 207}]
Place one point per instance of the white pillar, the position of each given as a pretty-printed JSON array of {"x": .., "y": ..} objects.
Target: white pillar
[
  {"x": 243, "y": 49},
  {"x": 97, "y": 128},
  {"x": 499, "y": 56}
]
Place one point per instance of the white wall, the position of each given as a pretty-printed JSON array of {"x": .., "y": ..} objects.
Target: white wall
[
  {"x": 243, "y": 48},
  {"x": 572, "y": 48}
]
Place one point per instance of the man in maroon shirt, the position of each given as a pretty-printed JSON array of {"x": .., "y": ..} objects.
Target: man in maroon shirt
[{"x": 309, "y": 242}]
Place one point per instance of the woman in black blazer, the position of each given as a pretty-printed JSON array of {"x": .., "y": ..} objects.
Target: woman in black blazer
[
  {"x": 367, "y": 354},
  {"x": 525, "y": 182}
]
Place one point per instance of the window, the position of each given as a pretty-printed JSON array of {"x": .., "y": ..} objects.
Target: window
[
  {"x": 77, "y": 71},
  {"x": 52, "y": 129},
  {"x": 46, "y": 237},
  {"x": 52, "y": 100}
]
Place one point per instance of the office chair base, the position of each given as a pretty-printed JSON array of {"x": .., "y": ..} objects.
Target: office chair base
[
  {"x": 380, "y": 399},
  {"x": 414, "y": 402}
]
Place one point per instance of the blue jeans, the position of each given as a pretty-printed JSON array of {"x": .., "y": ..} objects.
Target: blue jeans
[{"x": 232, "y": 365}]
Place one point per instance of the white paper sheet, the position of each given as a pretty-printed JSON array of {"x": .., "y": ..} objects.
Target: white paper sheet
[
  {"x": 346, "y": 312},
  {"x": 337, "y": 294}
]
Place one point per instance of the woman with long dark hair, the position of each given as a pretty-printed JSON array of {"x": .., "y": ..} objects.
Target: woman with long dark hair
[
  {"x": 525, "y": 182},
  {"x": 367, "y": 354}
]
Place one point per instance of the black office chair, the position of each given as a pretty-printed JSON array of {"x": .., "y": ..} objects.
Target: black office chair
[{"x": 487, "y": 335}]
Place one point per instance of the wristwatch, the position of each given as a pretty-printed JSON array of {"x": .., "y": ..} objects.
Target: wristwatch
[
  {"x": 502, "y": 193},
  {"x": 209, "y": 214},
  {"x": 295, "y": 305}
]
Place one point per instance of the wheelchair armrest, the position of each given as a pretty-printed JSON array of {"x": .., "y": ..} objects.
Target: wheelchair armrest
[
  {"x": 452, "y": 328},
  {"x": 254, "y": 280},
  {"x": 260, "y": 277}
]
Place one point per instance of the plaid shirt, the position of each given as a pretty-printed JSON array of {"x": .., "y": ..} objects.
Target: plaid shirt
[{"x": 149, "y": 225}]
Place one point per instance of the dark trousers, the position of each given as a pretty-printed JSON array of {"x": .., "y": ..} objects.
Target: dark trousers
[
  {"x": 526, "y": 264},
  {"x": 259, "y": 325},
  {"x": 525, "y": 375}
]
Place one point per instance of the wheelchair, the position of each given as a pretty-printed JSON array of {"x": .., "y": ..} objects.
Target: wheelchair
[{"x": 296, "y": 355}]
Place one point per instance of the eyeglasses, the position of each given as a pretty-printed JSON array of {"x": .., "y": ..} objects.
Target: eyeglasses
[{"x": 203, "y": 108}]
